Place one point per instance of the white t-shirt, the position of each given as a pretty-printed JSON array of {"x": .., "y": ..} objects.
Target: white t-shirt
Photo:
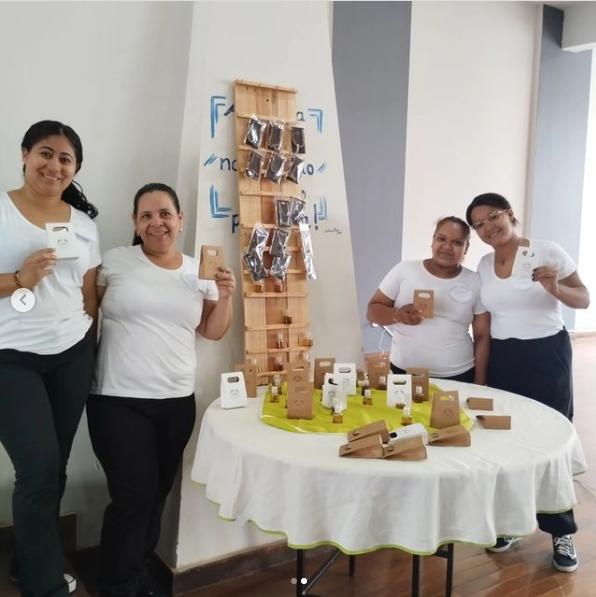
[
  {"x": 520, "y": 308},
  {"x": 442, "y": 343},
  {"x": 58, "y": 320},
  {"x": 149, "y": 318}
]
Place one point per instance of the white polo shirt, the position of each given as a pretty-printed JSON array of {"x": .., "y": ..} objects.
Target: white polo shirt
[
  {"x": 520, "y": 308},
  {"x": 149, "y": 320},
  {"x": 58, "y": 320},
  {"x": 442, "y": 343}
]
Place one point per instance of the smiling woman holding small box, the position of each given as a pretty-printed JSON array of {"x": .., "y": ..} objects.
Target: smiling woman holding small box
[
  {"x": 523, "y": 285},
  {"x": 441, "y": 340},
  {"x": 47, "y": 307}
]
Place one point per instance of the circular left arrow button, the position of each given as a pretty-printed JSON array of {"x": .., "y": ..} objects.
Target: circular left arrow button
[{"x": 22, "y": 300}]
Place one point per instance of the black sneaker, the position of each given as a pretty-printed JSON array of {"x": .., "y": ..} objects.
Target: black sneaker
[
  {"x": 564, "y": 556},
  {"x": 503, "y": 544},
  {"x": 71, "y": 581}
]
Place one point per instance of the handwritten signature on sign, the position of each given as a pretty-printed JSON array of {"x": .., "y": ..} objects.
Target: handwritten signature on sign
[{"x": 336, "y": 229}]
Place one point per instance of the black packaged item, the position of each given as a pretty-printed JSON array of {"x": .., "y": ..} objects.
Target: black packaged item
[
  {"x": 298, "y": 211},
  {"x": 254, "y": 132},
  {"x": 275, "y": 135},
  {"x": 258, "y": 240},
  {"x": 297, "y": 139},
  {"x": 279, "y": 242},
  {"x": 280, "y": 266},
  {"x": 253, "y": 165},
  {"x": 296, "y": 169},
  {"x": 256, "y": 269},
  {"x": 283, "y": 213},
  {"x": 275, "y": 170}
]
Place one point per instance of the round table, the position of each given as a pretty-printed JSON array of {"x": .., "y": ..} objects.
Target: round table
[{"x": 297, "y": 485}]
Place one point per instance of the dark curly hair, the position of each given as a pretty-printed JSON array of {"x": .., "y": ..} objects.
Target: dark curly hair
[{"x": 73, "y": 194}]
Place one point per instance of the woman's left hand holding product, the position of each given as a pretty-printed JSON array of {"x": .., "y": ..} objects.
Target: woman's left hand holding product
[
  {"x": 547, "y": 276},
  {"x": 570, "y": 291},
  {"x": 225, "y": 282}
]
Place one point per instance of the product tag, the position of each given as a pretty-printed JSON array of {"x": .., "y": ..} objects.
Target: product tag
[
  {"x": 249, "y": 370},
  {"x": 367, "y": 447},
  {"x": 424, "y": 302},
  {"x": 61, "y": 237},
  {"x": 377, "y": 428},
  {"x": 211, "y": 260},
  {"x": 399, "y": 390},
  {"x": 419, "y": 383},
  {"x": 409, "y": 448},
  {"x": 480, "y": 403},
  {"x": 322, "y": 366},
  {"x": 445, "y": 410},
  {"x": 346, "y": 371},
  {"x": 495, "y": 421},
  {"x": 232, "y": 391},
  {"x": 527, "y": 258}
]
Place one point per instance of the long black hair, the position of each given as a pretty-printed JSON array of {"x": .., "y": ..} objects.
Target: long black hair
[
  {"x": 73, "y": 194},
  {"x": 490, "y": 200},
  {"x": 150, "y": 188}
]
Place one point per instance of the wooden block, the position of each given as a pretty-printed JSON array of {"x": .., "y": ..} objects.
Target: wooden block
[
  {"x": 409, "y": 448},
  {"x": 377, "y": 428},
  {"x": 495, "y": 421},
  {"x": 457, "y": 436},
  {"x": 480, "y": 403},
  {"x": 368, "y": 447}
]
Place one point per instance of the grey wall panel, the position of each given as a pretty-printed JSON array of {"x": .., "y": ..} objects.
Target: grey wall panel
[
  {"x": 371, "y": 53},
  {"x": 560, "y": 145}
]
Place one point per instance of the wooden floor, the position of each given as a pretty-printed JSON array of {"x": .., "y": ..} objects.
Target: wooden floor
[{"x": 525, "y": 571}]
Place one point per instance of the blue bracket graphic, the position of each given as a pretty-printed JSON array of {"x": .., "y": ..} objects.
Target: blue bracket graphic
[
  {"x": 216, "y": 104},
  {"x": 210, "y": 160},
  {"x": 322, "y": 167},
  {"x": 216, "y": 210},
  {"x": 320, "y": 210},
  {"x": 317, "y": 114}
]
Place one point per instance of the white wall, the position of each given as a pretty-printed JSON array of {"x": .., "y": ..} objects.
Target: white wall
[
  {"x": 579, "y": 28},
  {"x": 469, "y": 112},
  {"x": 276, "y": 43},
  {"x": 586, "y": 319},
  {"x": 116, "y": 72}
]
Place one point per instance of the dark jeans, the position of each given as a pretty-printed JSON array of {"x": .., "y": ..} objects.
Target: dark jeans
[
  {"x": 539, "y": 369},
  {"x": 466, "y": 376},
  {"x": 41, "y": 401},
  {"x": 139, "y": 443}
]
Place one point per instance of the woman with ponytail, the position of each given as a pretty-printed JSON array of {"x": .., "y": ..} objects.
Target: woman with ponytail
[{"x": 47, "y": 309}]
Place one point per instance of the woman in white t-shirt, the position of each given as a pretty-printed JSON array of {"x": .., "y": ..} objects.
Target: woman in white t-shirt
[
  {"x": 142, "y": 409},
  {"x": 47, "y": 308},
  {"x": 530, "y": 351},
  {"x": 441, "y": 343}
]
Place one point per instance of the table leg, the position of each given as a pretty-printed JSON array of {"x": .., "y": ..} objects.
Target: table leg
[
  {"x": 299, "y": 571},
  {"x": 449, "y": 580},
  {"x": 415, "y": 576},
  {"x": 352, "y": 564}
]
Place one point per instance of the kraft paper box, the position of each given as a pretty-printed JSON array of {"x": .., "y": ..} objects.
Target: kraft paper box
[
  {"x": 322, "y": 366},
  {"x": 297, "y": 372},
  {"x": 457, "y": 436},
  {"x": 346, "y": 371},
  {"x": 372, "y": 358},
  {"x": 444, "y": 410},
  {"x": 367, "y": 447},
  {"x": 424, "y": 302},
  {"x": 409, "y": 448},
  {"x": 300, "y": 401},
  {"x": 211, "y": 261},
  {"x": 61, "y": 237},
  {"x": 250, "y": 377},
  {"x": 480, "y": 403},
  {"x": 495, "y": 421},
  {"x": 399, "y": 390},
  {"x": 232, "y": 391},
  {"x": 377, "y": 428},
  {"x": 419, "y": 383},
  {"x": 376, "y": 370}
]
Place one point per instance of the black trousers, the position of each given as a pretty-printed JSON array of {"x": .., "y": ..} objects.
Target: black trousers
[
  {"x": 139, "y": 443},
  {"x": 466, "y": 376},
  {"x": 41, "y": 402},
  {"x": 539, "y": 369}
]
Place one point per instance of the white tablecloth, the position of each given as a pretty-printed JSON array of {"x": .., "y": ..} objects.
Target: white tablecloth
[{"x": 297, "y": 485}]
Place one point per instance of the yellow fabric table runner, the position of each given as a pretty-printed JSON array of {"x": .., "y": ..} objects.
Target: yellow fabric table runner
[{"x": 356, "y": 415}]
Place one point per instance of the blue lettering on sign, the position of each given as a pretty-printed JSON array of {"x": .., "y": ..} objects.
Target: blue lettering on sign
[
  {"x": 317, "y": 114},
  {"x": 210, "y": 160},
  {"x": 217, "y": 102},
  {"x": 320, "y": 211},
  {"x": 217, "y": 211},
  {"x": 322, "y": 167}
]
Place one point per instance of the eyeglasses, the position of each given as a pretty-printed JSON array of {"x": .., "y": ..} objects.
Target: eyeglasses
[{"x": 490, "y": 218}]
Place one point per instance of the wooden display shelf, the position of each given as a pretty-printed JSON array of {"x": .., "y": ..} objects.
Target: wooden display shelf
[{"x": 257, "y": 205}]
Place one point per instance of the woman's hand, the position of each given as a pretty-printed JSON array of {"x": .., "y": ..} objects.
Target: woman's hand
[
  {"x": 37, "y": 266},
  {"x": 225, "y": 282},
  {"x": 547, "y": 276},
  {"x": 407, "y": 314}
]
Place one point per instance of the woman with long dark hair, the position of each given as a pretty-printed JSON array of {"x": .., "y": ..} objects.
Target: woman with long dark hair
[
  {"x": 530, "y": 350},
  {"x": 47, "y": 308}
]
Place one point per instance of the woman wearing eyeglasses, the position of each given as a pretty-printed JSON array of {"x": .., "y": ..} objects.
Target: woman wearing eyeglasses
[{"x": 530, "y": 351}]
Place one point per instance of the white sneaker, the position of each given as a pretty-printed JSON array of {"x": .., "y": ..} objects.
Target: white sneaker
[{"x": 71, "y": 581}]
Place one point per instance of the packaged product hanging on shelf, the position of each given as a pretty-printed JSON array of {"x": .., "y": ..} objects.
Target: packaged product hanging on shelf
[
  {"x": 307, "y": 251},
  {"x": 255, "y": 266},
  {"x": 298, "y": 211},
  {"x": 295, "y": 169},
  {"x": 253, "y": 165},
  {"x": 297, "y": 139},
  {"x": 253, "y": 258},
  {"x": 275, "y": 133},
  {"x": 276, "y": 167},
  {"x": 254, "y": 131},
  {"x": 279, "y": 242},
  {"x": 283, "y": 212},
  {"x": 280, "y": 266}
]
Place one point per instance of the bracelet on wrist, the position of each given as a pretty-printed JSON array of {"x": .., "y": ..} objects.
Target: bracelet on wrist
[{"x": 16, "y": 280}]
